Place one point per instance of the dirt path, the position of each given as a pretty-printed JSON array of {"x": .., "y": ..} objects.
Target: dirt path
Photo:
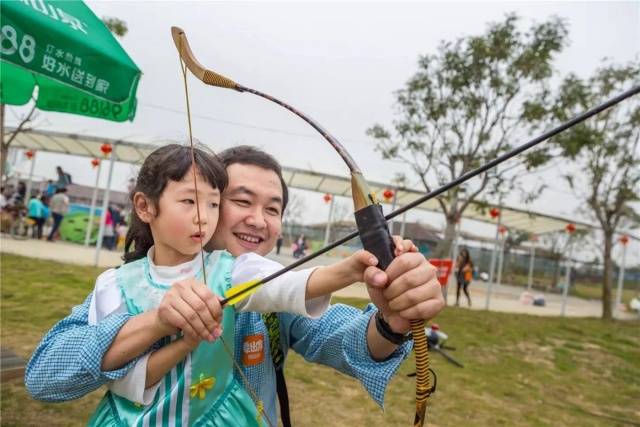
[{"x": 504, "y": 298}]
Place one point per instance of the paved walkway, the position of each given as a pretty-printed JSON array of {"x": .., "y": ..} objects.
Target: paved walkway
[{"x": 504, "y": 298}]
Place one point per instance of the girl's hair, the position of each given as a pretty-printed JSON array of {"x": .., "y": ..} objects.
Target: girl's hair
[
  {"x": 169, "y": 163},
  {"x": 466, "y": 257}
]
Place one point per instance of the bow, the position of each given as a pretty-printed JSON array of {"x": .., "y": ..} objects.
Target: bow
[
  {"x": 370, "y": 220},
  {"x": 372, "y": 226}
]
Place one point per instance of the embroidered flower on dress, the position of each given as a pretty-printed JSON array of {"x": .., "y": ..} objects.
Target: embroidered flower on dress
[{"x": 200, "y": 388}]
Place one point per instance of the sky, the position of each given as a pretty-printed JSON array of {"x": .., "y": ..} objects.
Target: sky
[{"x": 338, "y": 62}]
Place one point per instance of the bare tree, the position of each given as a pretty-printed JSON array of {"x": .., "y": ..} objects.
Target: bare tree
[
  {"x": 294, "y": 213},
  {"x": 8, "y": 139}
]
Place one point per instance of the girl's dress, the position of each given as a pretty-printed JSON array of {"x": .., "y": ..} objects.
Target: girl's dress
[{"x": 203, "y": 389}]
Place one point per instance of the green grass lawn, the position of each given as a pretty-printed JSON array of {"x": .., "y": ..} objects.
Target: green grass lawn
[{"x": 519, "y": 370}]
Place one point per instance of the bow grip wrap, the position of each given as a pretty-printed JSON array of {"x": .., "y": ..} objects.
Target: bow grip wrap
[
  {"x": 376, "y": 238},
  {"x": 374, "y": 234}
]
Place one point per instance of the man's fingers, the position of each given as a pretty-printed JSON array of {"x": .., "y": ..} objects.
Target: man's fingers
[
  {"x": 425, "y": 310},
  {"x": 404, "y": 263},
  {"x": 407, "y": 271},
  {"x": 415, "y": 296},
  {"x": 405, "y": 283}
]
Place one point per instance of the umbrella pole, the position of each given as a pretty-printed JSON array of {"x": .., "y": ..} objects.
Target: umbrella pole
[
  {"x": 92, "y": 210},
  {"x": 3, "y": 156}
]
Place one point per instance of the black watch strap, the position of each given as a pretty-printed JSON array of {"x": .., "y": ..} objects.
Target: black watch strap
[{"x": 384, "y": 329}]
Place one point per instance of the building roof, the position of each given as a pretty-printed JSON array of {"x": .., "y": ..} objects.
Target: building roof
[{"x": 135, "y": 152}]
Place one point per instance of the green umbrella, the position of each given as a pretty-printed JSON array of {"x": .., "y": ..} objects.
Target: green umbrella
[{"x": 64, "y": 49}]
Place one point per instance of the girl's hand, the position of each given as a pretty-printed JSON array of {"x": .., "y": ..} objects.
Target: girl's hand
[{"x": 191, "y": 307}]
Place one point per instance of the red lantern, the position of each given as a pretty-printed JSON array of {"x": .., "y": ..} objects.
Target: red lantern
[
  {"x": 494, "y": 212},
  {"x": 570, "y": 228},
  {"x": 502, "y": 229},
  {"x": 624, "y": 239},
  {"x": 387, "y": 194},
  {"x": 106, "y": 149},
  {"x": 95, "y": 163},
  {"x": 327, "y": 197},
  {"x": 30, "y": 154}
]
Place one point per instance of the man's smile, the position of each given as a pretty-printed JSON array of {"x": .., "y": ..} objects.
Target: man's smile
[{"x": 249, "y": 238}]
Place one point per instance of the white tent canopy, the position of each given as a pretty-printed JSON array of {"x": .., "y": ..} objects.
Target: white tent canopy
[{"x": 135, "y": 152}]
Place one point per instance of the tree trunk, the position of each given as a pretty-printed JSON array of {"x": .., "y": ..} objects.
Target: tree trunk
[
  {"x": 606, "y": 283},
  {"x": 4, "y": 155},
  {"x": 443, "y": 249}
]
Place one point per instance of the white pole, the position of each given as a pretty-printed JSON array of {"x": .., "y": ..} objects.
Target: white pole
[
  {"x": 500, "y": 261},
  {"x": 27, "y": 195},
  {"x": 493, "y": 261},
  {"x": 402, "y": 226},
  {"x": 105, "y": 206},
  {"x": 327, "y": 230},
  {"x": 92, "y": 210},
  {"x": 393, "y": 208},
  {"x": 621, "y": 276},
  {"x": 531, "y": 264},
  {"x": 567, "y": 277}
]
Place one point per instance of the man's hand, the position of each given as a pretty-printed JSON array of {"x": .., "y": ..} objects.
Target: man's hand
[
  {"x": 408, "y": 290},
  {"x": 191, "y": 307}
]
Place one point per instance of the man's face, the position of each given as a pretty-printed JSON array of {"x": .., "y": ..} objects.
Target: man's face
[{"x": 251, "y": 211}]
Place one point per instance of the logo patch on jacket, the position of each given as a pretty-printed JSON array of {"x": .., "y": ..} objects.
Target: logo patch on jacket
[{"x": 253, "y": 350}]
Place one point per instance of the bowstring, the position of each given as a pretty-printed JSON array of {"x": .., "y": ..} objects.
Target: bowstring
[{"x": 259, "y": 405}]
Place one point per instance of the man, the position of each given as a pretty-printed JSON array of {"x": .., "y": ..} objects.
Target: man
[
  {"x": 344, "y": 338},
  {"x": 251, "y": 219}
]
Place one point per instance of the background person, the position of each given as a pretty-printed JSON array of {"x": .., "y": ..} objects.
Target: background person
[
  {"x": 59, "y": 206},
  {"x": 279, "y": 244},
  {"x": 464, "y": 274},
  {"x": 37, "y": 211},
  {"x": 64, "y": 179}
]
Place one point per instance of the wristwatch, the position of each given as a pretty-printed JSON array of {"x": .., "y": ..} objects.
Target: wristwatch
[{"x": 385, "y": 330}]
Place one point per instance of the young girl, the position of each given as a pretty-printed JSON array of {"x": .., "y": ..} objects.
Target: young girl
[{"x": 183, "y": 379}]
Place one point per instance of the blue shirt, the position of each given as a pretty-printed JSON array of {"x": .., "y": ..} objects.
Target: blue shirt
[
  {"x": 36, "y": 208},
  {"x": 66, "y": 363}
]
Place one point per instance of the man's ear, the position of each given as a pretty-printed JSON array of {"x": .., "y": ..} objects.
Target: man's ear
[{"x": 144, "y": 207}]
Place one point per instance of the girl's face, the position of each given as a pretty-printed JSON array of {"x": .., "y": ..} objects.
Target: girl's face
[{"x": 174, "y": 224}]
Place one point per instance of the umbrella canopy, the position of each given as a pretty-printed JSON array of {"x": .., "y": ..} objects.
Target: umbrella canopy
[{"x": 68, "y": 52}]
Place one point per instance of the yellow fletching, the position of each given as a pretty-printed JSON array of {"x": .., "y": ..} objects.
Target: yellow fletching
[{"x": 237, "y": 293}]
